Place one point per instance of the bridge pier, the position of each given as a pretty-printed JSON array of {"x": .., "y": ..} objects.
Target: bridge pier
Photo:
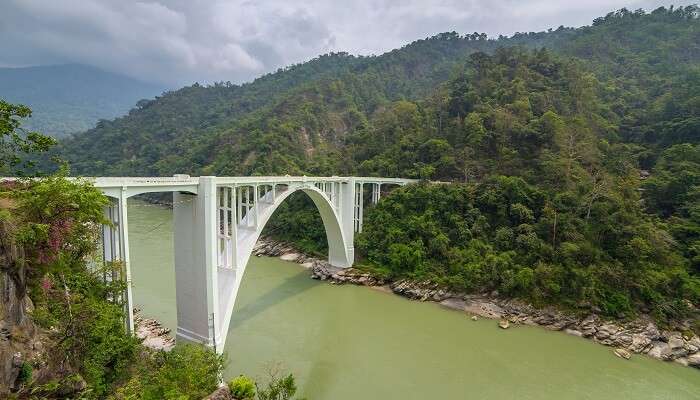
[
  {"x": 115, "y": 249},
  {"x": 195, "y": 249}
]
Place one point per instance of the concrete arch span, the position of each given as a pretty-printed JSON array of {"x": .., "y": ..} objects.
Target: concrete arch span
[
  {"x": 217, "y": 221},
  {"x": 230, "y": 279}
]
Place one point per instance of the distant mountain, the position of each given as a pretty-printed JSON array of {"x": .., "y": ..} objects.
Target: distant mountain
[{"x": 72, "y": 97}]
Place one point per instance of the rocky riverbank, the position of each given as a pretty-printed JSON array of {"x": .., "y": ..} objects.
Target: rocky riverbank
[
  {"x": 152, "y": 333},
  {"x": 641, "y": 336}
]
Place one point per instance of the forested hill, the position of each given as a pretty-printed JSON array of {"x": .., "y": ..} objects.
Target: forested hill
[
  {"x": 72, "y": 97},
  {"x": 310, "y": 105},
  {"x": 580, "y": 149},
  {"x": 294, "y": 119}
]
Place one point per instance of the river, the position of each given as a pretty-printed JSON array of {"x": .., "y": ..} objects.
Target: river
[{"x": 350, "y": 342}]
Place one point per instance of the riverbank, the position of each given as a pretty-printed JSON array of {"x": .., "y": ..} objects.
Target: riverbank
[
  {"x": 640, "y": 336},
  {"x": 152, "y": 333}
]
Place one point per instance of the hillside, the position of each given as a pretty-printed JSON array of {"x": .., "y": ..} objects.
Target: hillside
[
  {"x": 282, "y": 122},
  {"x": 548, "y": 134},
  {"x": 182, "y": 125},
  {"x": 71, "y": 98}
]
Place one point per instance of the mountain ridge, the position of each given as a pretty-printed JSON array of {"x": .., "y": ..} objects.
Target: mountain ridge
[{"x": 71, "y": 98}]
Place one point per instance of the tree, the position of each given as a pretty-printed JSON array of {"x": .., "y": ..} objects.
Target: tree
[{"x": 16, "y": 144}]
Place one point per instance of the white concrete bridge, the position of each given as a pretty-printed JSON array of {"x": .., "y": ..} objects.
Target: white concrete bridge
[{"x": 217, "y": 221}]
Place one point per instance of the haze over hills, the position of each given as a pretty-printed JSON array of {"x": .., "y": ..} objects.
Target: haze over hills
[{"x": 71, "y": 98}]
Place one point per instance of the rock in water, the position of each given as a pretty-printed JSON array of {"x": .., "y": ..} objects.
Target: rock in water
[
  {"x": 504, "y": 324},
  {"x": 622, "y": 353},
  {"x": 474, "y": 317},
  {"x": 694, "y": 360}
]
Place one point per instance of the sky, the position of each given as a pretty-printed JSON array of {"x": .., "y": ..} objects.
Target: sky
[{"x": 179, "y": 42}]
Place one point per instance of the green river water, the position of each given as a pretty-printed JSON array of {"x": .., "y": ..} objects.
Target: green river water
[{"x": 349, "y": 342}]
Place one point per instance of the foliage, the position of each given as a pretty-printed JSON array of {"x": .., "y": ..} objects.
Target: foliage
[
  {"x": 186, "y": 372},
  {"x": 16, "y": 143},
  {"x": 297, "y": 220},
  {"x": 55, "y": 221},
  {"x": 242, "y": 388},
  {"x": 278, "y": 388},
  {"x": 25, "y": 373},
  {"x": 500, "y": 235},
  {"x": 673, "y": 192},
  {"x": 88, "y": 328}
]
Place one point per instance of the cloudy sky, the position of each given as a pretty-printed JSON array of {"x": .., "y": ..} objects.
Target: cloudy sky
[{"x": 178, "y": 42}]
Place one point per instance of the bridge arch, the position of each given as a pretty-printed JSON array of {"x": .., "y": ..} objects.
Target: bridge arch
[
  {"x": 206, "y": 283},
  {"x": 229, "y": 279}
]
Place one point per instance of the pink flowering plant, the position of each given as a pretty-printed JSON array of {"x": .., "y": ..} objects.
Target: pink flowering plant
[{"x": 60, "y": 223}]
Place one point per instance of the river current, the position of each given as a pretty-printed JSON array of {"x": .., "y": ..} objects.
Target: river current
[{"x": 350, "y": 342}]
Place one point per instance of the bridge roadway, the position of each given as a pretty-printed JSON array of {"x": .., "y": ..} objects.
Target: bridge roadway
[{"x": 217, "y": 221}]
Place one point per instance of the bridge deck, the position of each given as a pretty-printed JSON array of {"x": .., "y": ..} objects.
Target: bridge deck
[{"x": 107, "y": 182}]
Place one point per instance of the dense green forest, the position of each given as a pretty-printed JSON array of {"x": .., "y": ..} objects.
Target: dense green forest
[
  {"x": 575, "y": 156},
  {"x": 71, "y": 98}
]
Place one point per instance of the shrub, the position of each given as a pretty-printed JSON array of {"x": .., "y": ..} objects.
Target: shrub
[
  {"x": 25, "y": 373},
  {"x": 242, "y": 387},
  {"x": 278, "y": 388},
  {"x": 188, "y": 371}
]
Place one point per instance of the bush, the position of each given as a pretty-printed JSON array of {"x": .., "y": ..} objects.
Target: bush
[
  {"x": 242, "y": 387},
  {"x": 188, "y": 371},
  {"x": 25, "y": 373},
  {"x": 278, "y": 388}
]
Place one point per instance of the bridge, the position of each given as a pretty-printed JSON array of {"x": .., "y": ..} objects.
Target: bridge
[{"x": 217, "y": 221}]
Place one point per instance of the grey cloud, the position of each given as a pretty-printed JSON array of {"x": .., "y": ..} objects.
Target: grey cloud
[{"x": 180, "y": 41}]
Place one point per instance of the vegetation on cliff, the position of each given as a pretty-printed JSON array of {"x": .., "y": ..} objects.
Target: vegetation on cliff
[{"x": 62, "y": 321}]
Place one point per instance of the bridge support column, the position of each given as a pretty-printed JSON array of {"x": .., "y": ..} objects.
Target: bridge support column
[
  {"x": 196, "y": 258},
  {"x": 376, "y": 192},
  {"x": 115, "y": 248},
  {"x": 346, "y": 199}
]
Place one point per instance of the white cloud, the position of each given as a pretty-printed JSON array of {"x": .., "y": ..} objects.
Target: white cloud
[{"x": 181, "y": 41}]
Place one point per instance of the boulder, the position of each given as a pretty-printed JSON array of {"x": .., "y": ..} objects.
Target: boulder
[
  {"x": 694, "y": 360},
  {"x": 640, "y": 343},
  {"x": 609, "y": 329},
  {"x": 289, "y": 257},
  {"x": 676, "y": 342},
  {"x": 682, "y": 361},
  {"x": 602, "y": 335},
  {"x": 589, "y": 321},
  {"x": 652, "y": 332},
  {"x": 693, "y": 345},
  {"x": 658, "y": 349},
  {"x": 589, "y": 331},
  {"x": 675, "y": 348},
  {"x": 574, "y": 332},
  {"x": 503, "y": 324},
  {"x": 484, "y": 308},
  {"x": 622, "y": 339},
  {"x": 622, "y": 353}
]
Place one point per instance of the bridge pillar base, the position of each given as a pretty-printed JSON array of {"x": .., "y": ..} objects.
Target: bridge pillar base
[{"x": 195, "y": 269}]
